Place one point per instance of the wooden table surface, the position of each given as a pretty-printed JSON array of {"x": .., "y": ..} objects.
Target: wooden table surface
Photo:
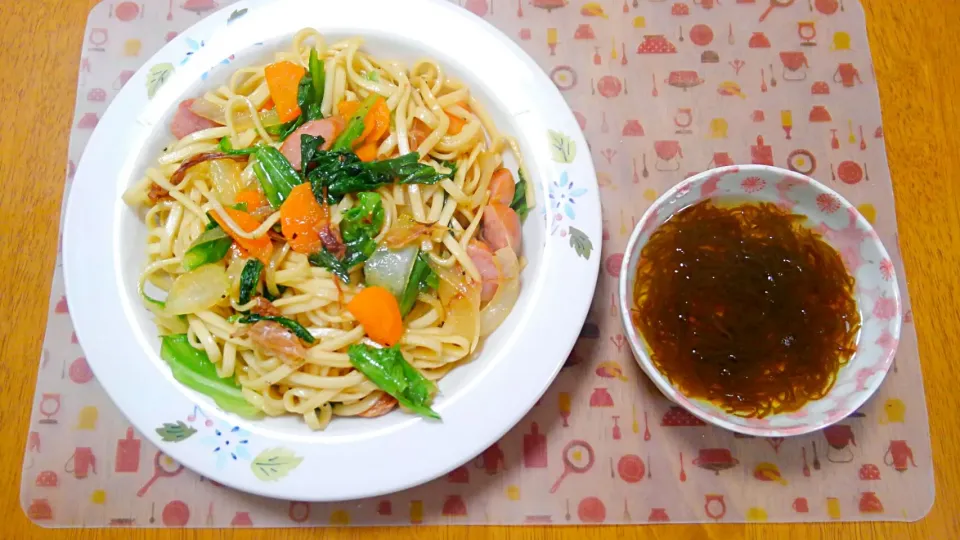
[{"x": 914, "y": 50}]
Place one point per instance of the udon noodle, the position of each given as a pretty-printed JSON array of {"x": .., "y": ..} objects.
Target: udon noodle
[{"x": 461, "y": 223}]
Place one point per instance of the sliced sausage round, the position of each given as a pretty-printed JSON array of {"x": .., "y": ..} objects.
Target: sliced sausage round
[
  {"x": 328, "y": 128},
  {"x": 380, "y": 407},
  {"x": 186, "y": 121},
  {"x": 482, "y": 258},
  {"x": 502, "y": 186},
  {"x": 501, "y": 227}
]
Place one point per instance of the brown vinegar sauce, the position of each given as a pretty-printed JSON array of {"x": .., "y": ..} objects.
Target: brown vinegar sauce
[{"x": 743, "y": 306}]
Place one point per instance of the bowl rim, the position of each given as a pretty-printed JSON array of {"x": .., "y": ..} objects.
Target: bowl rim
[{"x": 664, "y": 385}]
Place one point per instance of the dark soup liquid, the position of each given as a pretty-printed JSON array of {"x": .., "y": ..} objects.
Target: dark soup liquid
[{"x": 743, "y": 306}]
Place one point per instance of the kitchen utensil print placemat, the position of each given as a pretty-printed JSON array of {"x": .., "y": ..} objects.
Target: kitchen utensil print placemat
[{"x": 662, "y": 90}]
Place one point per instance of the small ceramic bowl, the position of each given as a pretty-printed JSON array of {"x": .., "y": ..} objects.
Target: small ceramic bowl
[{"x": 842, "y": 226}]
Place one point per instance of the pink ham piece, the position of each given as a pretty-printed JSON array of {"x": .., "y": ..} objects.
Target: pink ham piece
[
  {"x": 482, "y": 258},
  {"x": 186, "y": 122},
  {"x": 274, "y": 339},
  {"x": 328, "y": 128}
]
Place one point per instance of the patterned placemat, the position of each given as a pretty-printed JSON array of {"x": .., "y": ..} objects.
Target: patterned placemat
[{"x": 662, "y": 90}]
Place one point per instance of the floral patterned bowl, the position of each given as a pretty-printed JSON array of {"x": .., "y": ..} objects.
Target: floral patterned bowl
[{"x": 866, "y": 259}]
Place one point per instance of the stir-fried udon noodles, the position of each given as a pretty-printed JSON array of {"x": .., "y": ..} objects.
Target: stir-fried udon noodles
[{"x": 330, "y": 234}]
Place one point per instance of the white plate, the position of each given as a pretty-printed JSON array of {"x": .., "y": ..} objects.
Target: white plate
[{"x": 353, "y": 458}]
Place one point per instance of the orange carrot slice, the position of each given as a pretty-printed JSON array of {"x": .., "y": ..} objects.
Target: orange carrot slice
[
  {"x": 261, "y": 247},
  {"x": 253, "y": 198},
  {"x": 456, "y": 124},
  {"x": 380, "y": 116},
  {"x": 283, "y": 79},
  {"x": 378, "y": 311},
  {"x": 237, "y": 252},
  {"x": 367, "y": 152},
  {"x": 375, "y": 123},
  {"x": 300, "y": 219}
]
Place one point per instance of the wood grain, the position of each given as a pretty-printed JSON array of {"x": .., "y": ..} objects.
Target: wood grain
[{"x": 915, "y": 48}]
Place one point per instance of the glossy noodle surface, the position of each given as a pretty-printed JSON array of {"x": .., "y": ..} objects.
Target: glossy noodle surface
[{"x": 330, "y": 233}]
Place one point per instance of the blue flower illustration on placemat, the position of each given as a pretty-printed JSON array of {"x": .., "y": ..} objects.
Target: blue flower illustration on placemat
[{"x": 229, "y": 443}]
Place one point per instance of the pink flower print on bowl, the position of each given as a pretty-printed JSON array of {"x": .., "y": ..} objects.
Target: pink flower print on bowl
[
  {"x": 827, "y": 203},
  {"x": 753, "y": 184}
]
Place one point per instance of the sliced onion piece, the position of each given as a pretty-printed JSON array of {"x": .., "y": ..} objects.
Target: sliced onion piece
[
  {"x": 404, "y": 232},
  {"x": 173, "y": 324},
  {"x": 234, "y": 270},
  {"x": 462, "y": 311},
  {"x": 198, "y": 290},
  {"x": 227, "y": 181},
  {"x": 241, "y": 116},
  {"x": 508, "y": 290},
  {"x": 453, "y": 276},
  {"x": 390, "y": 269}
]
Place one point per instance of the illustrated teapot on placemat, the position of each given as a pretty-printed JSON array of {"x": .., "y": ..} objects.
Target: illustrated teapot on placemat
[{"x": 669, "y": 154}]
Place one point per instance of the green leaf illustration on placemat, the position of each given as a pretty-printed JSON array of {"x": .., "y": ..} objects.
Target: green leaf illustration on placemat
[
  {"x": 175, "y": 432},
  {"x": 274, "y": 463},
  {"x": 158, "y": 75},
  {"x": 580, "y": 242},
  {"x": 562, "y": 147}
]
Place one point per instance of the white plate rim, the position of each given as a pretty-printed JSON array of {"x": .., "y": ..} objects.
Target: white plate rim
[{"x": 319, "y": 470}]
